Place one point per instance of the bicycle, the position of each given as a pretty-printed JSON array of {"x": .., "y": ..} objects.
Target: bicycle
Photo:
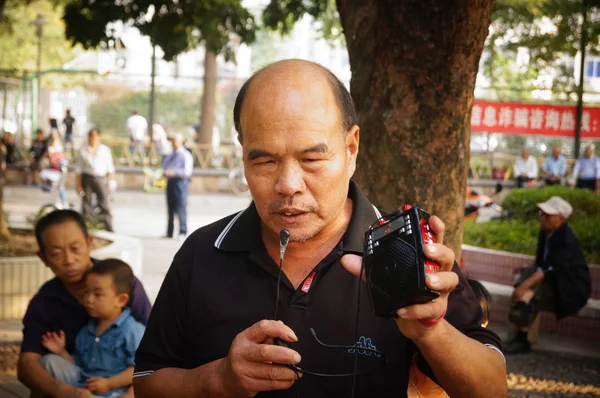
[
  {"x": 154, "y": 181},
  {"x": 52, "y": 180}
]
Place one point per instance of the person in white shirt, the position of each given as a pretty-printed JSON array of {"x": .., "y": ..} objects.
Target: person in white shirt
[
  {"x": 137, "y": 127},
  {"x": 526, "y": 169},
  {"x": 587, "y": 170},
  {"x": 94, "y": 167}
]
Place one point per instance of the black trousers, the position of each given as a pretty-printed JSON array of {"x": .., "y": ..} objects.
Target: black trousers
[
  {"x": 177, "y": 193},
  {"x": 522, "y": 181},
  {"x": 587, "y": 184},
  {"x": 551, "y": 182},
  {"x": 96, "y": 186}
]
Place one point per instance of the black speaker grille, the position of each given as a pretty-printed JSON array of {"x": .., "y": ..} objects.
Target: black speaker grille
[{"x": 392, "y": 265}]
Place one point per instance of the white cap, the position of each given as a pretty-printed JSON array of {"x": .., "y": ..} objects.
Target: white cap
[{"x": 556, "y": 205}]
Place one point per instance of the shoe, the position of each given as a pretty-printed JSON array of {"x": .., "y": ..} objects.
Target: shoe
[
  {"x": 181, "y": 238},
  {"x": 167, "y": 237},
  {"x": 517, "y": 346}
]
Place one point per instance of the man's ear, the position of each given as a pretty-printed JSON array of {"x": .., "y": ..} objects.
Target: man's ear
[
  {"x": 352, "y": 143},
  {"x": 89, "y": 242}
]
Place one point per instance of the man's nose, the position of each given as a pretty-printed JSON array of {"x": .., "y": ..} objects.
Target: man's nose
[
  {"x": 69, "y": 257},
  {"x": 290, "y": 180}
]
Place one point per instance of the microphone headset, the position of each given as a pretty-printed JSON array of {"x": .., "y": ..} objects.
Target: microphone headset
[{"x": 284, "y": 239}]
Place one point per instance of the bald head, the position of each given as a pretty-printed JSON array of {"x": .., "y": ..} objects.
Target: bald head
[
  {"x": 178, "y": 140},
  {"x": 288, "y": 85},
  {"x": 589, "y": 151}
]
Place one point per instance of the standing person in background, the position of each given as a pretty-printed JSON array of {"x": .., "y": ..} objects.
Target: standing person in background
[
  {"x": 555, "y": 167},
  {"x": 137, "y": 126},
  {"x": 178, "y": 168},
  {"x": 159, "y": 139},
  {"x": 69, "y": 122},
  {"x": 587, "y": 170},
  {"x": 95, "y": 168},
  {"x": 55, "y": 151},
  {"x": 56, "y": 155},
  {"x": 526, "y": 169}
]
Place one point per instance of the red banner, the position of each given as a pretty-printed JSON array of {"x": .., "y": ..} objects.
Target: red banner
[{"x": 533, "y": 119}]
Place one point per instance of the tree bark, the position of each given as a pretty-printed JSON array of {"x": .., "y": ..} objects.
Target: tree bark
[
  {"x": 207, "y": 117},
  {"x": 414, "y": 64}
]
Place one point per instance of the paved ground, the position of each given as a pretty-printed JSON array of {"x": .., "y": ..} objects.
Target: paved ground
[
  {"x": 559, "y": 368},
  {"x": 141, "y": 215}
]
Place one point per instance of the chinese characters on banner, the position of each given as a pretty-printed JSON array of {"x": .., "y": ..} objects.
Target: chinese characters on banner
[{"x": 533, "y": 119}]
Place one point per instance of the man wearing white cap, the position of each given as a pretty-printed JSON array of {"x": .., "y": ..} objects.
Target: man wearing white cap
[{"x": 558, "y": 281}]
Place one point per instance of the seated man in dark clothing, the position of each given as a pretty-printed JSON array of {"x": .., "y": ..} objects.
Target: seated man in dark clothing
[
  {"x": 558, "y": 282},
  {"x": 36, "y": 151},
  {"x": 64, "y": 246},
  {"x": 12, "y": 154}
]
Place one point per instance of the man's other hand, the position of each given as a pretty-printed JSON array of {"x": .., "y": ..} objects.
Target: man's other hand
[
  {"x": 444, "y": 281},
  {"x": 251, "y": 366}
]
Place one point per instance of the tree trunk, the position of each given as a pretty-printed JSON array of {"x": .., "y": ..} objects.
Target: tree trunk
[
  {"x": 414, "y": 64},
  {"x": 207, "y": 118}
]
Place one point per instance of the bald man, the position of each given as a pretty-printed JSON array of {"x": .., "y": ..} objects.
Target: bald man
[
  {"x": 177, "y": 169},
  {"x": 238, "y": 317}
]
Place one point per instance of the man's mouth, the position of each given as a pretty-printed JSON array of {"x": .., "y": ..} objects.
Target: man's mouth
[
  {"x": 291, "y": 215},
  {"x": 291, "y": 212}
]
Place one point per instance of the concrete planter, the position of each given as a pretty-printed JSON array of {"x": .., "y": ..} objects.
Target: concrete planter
[{"x": 21, "y": 277}]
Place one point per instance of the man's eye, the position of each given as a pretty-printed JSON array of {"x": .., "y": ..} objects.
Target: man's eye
[{"x": 263, "y": 162}]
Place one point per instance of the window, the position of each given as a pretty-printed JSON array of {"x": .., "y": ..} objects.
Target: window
[
  {"x": 597, "y": 74},
  {"x": 590, "y": 69}
]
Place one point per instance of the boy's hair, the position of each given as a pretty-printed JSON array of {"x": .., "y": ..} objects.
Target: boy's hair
[
  {"x": 121, "y": 273},
  {"x": 484, "y": 297}
]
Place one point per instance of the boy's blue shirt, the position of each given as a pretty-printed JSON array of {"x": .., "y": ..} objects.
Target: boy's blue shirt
[{"x": 110, "y": 353}]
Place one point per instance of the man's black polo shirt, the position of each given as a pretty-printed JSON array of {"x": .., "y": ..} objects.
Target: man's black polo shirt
[
  {"x": 222, "y": 281},
  {"x": 53, "y": 309}
]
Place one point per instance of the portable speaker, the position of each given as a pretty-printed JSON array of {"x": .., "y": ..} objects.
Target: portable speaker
[{"x": 395, "y": 263}]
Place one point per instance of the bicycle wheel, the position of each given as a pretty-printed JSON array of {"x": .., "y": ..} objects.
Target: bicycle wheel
[{"x": 238, "y": 183}]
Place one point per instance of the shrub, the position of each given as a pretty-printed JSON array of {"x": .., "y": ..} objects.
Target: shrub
[
  {"x": 508, "y": 235},
  {"x": 521, "y": 204}
]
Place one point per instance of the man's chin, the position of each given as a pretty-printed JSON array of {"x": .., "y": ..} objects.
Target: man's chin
[
  {"x": 74, "y": 278},
  {"x": 301, "y": 235}
]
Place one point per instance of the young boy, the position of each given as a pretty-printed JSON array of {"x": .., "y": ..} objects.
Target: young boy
[
  {"x": 103, "y": 360},
  {"x": 421, "y": 386}
]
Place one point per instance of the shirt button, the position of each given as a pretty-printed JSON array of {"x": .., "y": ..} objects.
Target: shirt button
[{"x": 97, "y": 339}]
